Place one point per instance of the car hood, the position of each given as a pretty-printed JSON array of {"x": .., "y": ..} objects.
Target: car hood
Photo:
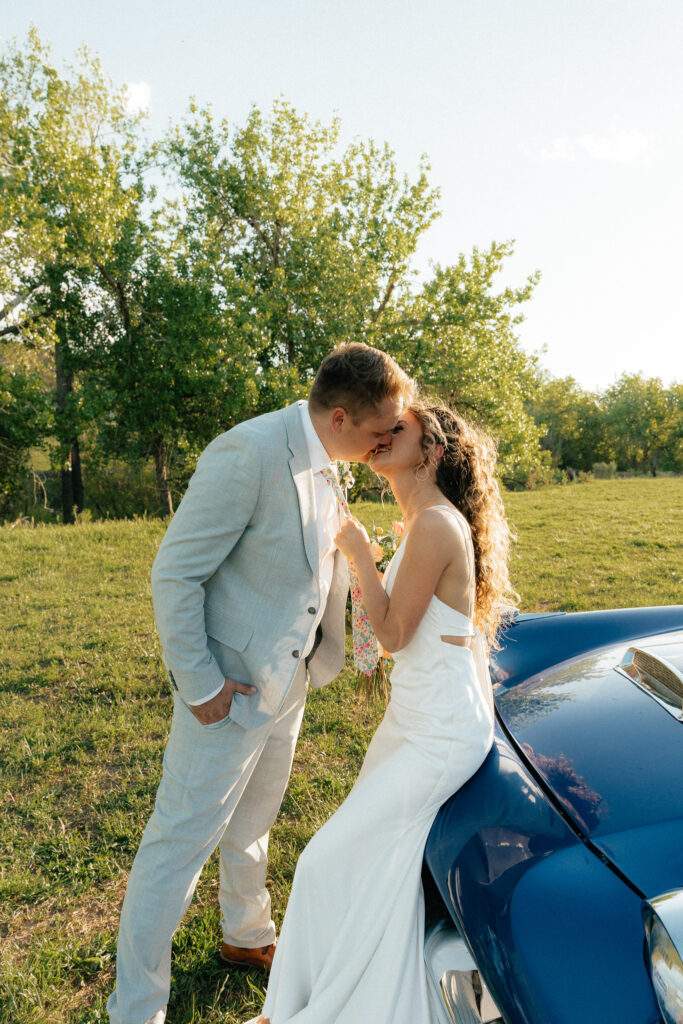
[{"x": 612, "y": 756}]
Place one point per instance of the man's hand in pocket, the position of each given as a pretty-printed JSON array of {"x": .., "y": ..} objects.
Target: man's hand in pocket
[{"x": 219, "y": 706}]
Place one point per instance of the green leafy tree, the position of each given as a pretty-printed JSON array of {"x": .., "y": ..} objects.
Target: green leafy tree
[
  {"x": 645, "y": 423},
  {"x": 67, "y": 146},
  {"x": 311, "y": 246},
  {"x": 673, "y": 460},
  {"x": 170, "y": 378},
  {"x": 314, "y": 247},
  {"x": 456, "y": 335},
  {"x": 24, "y": 418},
  {"x": 573, "y": 421},
  {"x": 106, "y": 277}
]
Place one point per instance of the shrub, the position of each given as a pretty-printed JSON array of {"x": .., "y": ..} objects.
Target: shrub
[
  {"x": 604, "y": 470},
  {"x": 113, "y": 490},
  {"x": 119, "y": 490}
]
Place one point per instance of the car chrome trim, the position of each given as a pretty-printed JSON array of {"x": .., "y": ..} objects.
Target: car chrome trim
[
  {"x": 654, "y": 673},
  {"x": 467, "y": 999},
  {"x": 669, "y": 909},
  {"x": 666, "y": 911},
  {"x": 453, "y": 974},
  {"x": 528, "y": 616}
]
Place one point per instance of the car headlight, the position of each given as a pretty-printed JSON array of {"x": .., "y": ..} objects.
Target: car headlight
[{"x": 663, "y": 920}]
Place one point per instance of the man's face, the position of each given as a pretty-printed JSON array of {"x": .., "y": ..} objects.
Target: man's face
[{"x": 357, "y": 442}]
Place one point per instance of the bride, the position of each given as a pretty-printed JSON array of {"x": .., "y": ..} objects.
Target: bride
[{"x": 350, "y": 949}]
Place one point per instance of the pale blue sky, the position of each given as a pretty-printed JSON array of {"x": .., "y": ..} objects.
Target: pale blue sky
[{"x": 554, "y": 122}]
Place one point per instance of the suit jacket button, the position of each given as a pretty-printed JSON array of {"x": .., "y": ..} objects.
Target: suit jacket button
[
  {"x": 296, "y": 654},
  {"x": 311, "y": 611}
]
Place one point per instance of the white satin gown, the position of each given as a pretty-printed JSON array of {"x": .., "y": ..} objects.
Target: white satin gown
[{"x": 351, "y": 946}]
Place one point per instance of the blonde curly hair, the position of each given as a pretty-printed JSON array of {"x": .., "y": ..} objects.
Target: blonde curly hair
[{"x": 466, "y": 475}]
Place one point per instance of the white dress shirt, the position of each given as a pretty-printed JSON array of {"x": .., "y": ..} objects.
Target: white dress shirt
[
  {"x": 327, "y": 521},
  {"x": 327, "y": 516}
]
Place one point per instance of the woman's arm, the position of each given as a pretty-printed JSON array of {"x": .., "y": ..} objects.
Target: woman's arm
[{"x": 432, "y": 544}]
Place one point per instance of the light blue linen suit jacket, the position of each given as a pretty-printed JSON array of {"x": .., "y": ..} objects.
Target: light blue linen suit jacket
[{"x": 235, "y": 580}]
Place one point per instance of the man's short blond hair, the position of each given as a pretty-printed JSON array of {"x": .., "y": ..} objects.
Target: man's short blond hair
[{"x": 357, "y": 377}]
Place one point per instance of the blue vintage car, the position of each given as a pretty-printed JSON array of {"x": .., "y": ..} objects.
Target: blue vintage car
[{"x": 558, "y": 868}]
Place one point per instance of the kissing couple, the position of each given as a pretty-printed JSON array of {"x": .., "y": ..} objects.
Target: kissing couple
[{"x": 250, "y": 587}]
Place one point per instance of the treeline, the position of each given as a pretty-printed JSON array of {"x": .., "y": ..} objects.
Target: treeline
[
  {"x": 636, "y": 425},
  {"x": 154, "y": 292}
]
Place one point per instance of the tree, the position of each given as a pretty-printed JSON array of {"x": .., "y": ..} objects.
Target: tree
[
  {"x": 456, "y": 335},
  {"x": 24, "y": 416},
  {"x": 170, "y": 379},
  {"x": 109, "y": 279},
  {"x": 645, "y": 423},
  {"x": 310, "y": 246},
  {"x": 573, "y": 421},
  {"x": 67, "y": 146},
  {"x": 314, "y": 248}
]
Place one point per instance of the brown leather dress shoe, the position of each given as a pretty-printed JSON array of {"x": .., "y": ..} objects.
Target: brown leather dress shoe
[{"x": 261, "y": 957}]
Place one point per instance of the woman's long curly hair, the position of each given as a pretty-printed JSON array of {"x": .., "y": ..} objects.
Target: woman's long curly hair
[{"x": 466, "y": 475}]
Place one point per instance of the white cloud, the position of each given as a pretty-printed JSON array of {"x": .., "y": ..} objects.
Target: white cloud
[
  {"x": 626, "y": 146},
  {"x": 621, "y": 145},
  {"x": 138, "y": 97},
  {"x": 559, "y": 149}
]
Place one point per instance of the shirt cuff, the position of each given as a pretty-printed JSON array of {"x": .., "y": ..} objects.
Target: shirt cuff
[{"x": 210, "y": 696}]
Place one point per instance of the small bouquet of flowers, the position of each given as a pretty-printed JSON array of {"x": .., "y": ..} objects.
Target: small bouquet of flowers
[
  {"x": 375, "y": 686},
  {"x": 383, "y": 545}
]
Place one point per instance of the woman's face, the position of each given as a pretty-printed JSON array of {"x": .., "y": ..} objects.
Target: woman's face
[{"x": 405, "y": 448}]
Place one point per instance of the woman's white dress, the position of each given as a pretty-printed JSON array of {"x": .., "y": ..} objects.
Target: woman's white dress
[{"x": 351, "y": 946}]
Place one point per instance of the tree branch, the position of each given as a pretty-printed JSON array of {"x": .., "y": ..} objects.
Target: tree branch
[
  {"x": 18, "y": 328},
  {"x": 387, "y": 295}
]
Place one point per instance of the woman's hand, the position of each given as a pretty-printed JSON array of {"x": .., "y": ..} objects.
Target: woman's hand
[{"x": 352, "y": 539}]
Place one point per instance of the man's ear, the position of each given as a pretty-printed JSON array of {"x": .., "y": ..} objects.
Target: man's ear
[{"x": 337, "y": 421}]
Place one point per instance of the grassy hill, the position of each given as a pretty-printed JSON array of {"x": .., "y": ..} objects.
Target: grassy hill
[{"x": 85, "y": 710}]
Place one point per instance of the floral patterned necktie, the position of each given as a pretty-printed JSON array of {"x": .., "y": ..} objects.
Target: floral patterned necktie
[{"x": 365, "y": 646}]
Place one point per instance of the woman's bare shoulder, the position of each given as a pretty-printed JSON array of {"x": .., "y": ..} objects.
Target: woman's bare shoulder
[{"x": 438, "y": 525}]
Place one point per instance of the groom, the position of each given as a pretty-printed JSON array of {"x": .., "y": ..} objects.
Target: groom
[{"x": 249, "y": 595}]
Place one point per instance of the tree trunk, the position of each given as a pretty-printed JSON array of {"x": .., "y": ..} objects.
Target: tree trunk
[
  {"x": 161, "y": 460},
  {"x": 67, "y": 443},
  {"x": 67, "y": 494},
  {"x": 76, "y": 474}
]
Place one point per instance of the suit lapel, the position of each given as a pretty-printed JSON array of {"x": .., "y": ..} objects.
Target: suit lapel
[{"x": 300, "y": 466}]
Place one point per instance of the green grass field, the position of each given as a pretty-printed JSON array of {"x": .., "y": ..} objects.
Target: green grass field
[{"x": 85, "y": 710}]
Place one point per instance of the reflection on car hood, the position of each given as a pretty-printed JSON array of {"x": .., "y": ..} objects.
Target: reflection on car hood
[{"x": 613, "y": 757}]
